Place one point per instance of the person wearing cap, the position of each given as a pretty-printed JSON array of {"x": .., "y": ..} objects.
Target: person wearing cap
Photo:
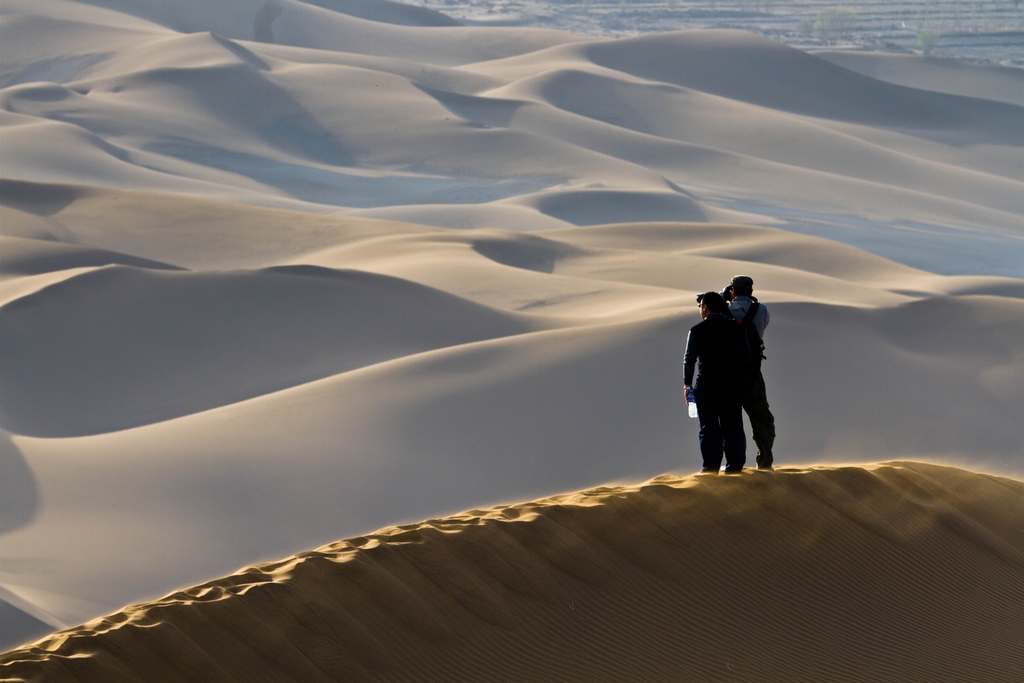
[
  {"x": 740, "y": 297},
  {"x": 718, "y": 350}
]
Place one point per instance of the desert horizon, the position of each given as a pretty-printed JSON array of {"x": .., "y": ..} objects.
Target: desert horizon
[{"x": 275, "y": 274}]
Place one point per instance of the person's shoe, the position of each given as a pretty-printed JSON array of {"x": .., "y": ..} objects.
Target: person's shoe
[
  {"x": 708, "y": 470},
  {"x": 733, "y": 470},
  {"x": 766, "y": 468}
]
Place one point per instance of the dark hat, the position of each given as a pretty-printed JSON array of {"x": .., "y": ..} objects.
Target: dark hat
[{"x": 742, "y": 281}]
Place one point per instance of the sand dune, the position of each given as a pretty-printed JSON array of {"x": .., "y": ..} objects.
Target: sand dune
[
  {"x": 277, "y": 273},
  {"x": 988, "y": 82},
  {"x": 461, "y": 134},
  {"x": 900, "y": 571},
  {"x": 741, "y": 66},
  {"x": 188, "y": 232},
  {"x": 34, "y": 257},
  {"x": 287, "y": 326},
  {"x": 467, "y": 425}
]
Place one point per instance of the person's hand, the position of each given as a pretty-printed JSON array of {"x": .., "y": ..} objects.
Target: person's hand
[{"x": 688, "y": 392}]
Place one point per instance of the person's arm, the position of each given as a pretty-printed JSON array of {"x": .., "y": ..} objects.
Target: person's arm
[{"x": 689, "y": 360}]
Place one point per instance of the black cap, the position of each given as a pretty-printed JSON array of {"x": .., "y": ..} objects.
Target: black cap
[{"x": 742, "y": 281}]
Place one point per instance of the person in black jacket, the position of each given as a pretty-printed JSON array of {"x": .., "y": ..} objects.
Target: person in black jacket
[{"x": 717, "y": 348}]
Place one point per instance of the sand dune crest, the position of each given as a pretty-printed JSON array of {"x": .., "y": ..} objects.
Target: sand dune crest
[{"x": 901, "y": 571}]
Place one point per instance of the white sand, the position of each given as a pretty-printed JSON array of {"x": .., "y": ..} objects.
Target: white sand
[{"x": 258, "y": 296}]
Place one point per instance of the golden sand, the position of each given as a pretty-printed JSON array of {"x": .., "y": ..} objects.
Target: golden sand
[{"x": 899, "y": 571}]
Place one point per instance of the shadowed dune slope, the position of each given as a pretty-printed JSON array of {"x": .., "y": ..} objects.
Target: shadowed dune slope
[
  {"x": 19, "y": 256},
  {"x": 988, "y": 81},
  {"x": 298, "y": 323},
  {"x": 898, "y": 571}
]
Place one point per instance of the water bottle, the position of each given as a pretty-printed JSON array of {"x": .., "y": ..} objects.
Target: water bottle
[{"x": 691, "y": 404}]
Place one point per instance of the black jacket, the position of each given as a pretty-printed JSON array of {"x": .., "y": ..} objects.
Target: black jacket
[{"x": 717, "y": 347}]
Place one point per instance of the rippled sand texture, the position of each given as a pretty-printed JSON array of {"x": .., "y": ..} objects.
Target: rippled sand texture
[
  {"x": 900, "y": 571},
  {"x": 275, "y": 274}
]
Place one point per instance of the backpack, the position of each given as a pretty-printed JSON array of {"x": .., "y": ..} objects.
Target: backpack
[{"x": 753, "y": 338}]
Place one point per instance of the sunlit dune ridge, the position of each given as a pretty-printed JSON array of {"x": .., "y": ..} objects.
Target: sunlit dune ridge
[{"x": 896, "y": 571}]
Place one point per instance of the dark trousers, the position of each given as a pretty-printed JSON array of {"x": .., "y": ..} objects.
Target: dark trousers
[
  {"x": 762, "y": 422},
  {"x": 721, "y": 429}
]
